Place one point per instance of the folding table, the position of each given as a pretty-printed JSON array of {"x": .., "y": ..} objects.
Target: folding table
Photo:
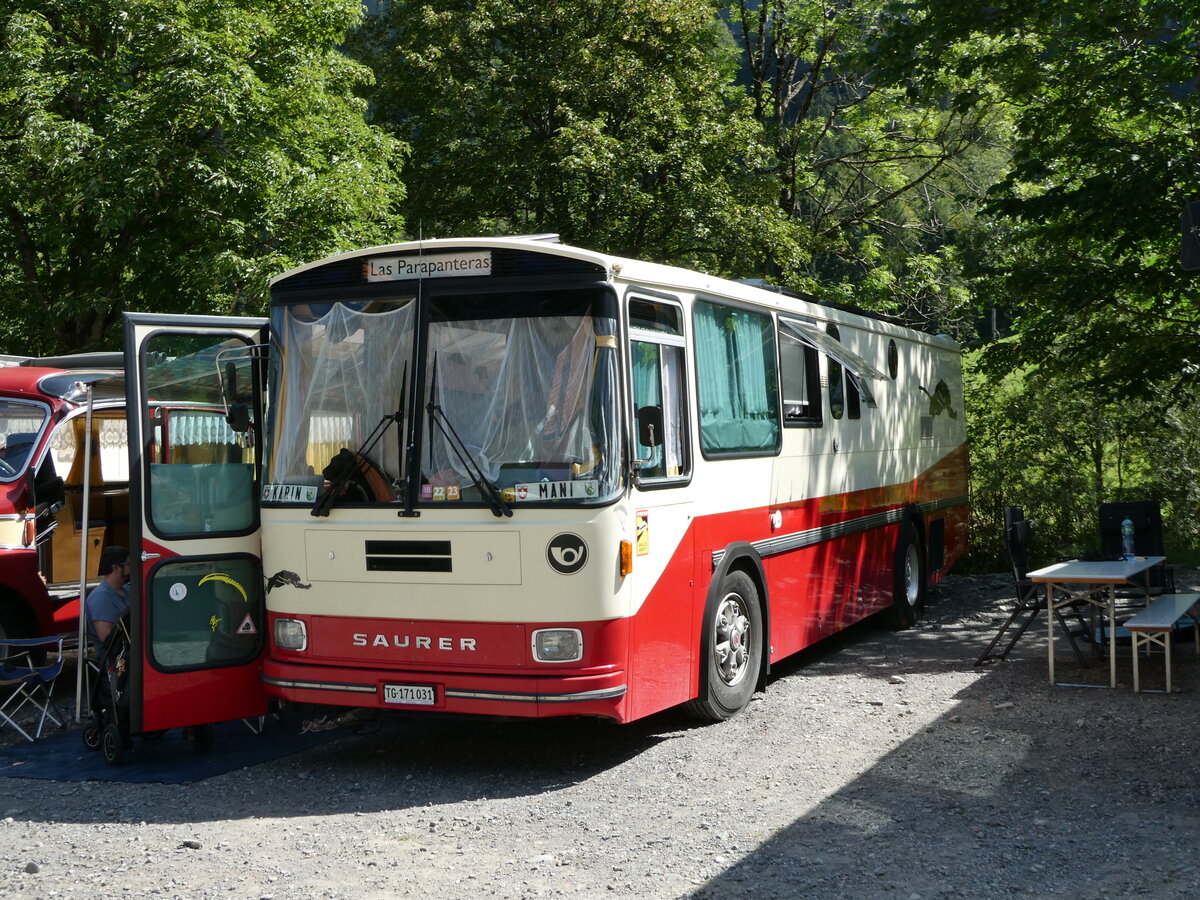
[{"x": 1090, "y": 575}]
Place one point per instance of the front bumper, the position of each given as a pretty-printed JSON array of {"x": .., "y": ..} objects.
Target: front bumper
[{"x": 454, "y": 692}]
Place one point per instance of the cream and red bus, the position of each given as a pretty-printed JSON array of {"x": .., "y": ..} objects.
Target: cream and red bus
[{"x": 505, "y": 476}]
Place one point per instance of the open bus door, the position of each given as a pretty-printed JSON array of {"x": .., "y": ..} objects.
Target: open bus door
[{"x": 194, "y": 389}]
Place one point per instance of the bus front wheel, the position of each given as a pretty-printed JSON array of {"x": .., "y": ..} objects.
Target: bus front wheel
[
  {"x": 908, "y": 592},
  {"x": 732, "y": 639}
]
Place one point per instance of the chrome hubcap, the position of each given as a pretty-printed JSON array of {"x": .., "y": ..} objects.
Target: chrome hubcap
[
  {"x": 732, "y": 639},
  {"x": 912, "y": 576}
]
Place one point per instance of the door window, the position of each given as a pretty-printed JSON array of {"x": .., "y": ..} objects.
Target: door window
[
  {"x": 205, "y": 613},
  {"x": 658, "y": 383},
  {"x": 660, "y": 433},
  {"x": 202, "y": 473}
]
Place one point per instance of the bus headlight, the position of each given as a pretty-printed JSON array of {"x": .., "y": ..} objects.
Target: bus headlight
[
  {"x": 558, "y": 645},
  {"x": 291, "y": 634}
]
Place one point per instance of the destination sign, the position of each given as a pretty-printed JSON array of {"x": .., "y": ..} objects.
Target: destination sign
[{"x": 429, "y": 265}]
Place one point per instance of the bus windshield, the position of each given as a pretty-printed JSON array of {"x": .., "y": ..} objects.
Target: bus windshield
[{"x": 517, "y": 389}]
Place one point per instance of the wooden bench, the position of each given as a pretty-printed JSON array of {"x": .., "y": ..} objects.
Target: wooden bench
[{"x": 1154, "y": 625}]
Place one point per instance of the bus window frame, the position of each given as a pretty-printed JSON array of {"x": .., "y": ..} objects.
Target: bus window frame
[
  {"x": 150, "y": 423},
  {"x": 812, "y": 375},
  {"x": 767, "y": 313},
  {"x": 425, "y": 294},
  {"x": 680, "y": 341},
  {"x": 43, "y": 428}
]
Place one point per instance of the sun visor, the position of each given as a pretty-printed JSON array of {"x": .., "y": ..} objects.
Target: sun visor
[{"x": 856, "y": 367}]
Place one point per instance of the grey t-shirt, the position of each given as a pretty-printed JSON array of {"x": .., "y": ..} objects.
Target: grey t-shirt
[{"x": 105, "y": 604}]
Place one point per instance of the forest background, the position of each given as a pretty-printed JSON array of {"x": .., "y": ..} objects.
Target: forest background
[{"x": 1012, "y": 175}]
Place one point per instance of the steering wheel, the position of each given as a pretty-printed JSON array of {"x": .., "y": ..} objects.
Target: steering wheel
[{"x": 6, "y": 470}]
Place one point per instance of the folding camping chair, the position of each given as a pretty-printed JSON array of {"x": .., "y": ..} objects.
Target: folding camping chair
[
  {"x": 1031, "y": 599},
  {"x": 24, "y": 681}
]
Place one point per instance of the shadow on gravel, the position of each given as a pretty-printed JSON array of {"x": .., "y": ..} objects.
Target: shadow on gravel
[
  {"x": 1022, "y": 788},
  {"x": 395, "y": 762}
]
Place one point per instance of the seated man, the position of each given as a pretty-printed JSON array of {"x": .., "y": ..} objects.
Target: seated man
[{"x": 109, "y": 600}]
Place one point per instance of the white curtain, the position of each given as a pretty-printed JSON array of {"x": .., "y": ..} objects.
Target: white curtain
[
  {"x": 514, "y": 390},
  {"x": 342, "y": 373}
]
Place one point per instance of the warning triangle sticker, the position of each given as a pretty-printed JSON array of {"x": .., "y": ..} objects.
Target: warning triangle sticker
[{"x": 247, "y": 626}]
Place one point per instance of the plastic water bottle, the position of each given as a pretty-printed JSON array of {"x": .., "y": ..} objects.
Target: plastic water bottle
[{"x": 1127, "y": 539}]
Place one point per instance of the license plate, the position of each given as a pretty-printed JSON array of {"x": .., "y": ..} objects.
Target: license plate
[{"x": 409, "y": 694}]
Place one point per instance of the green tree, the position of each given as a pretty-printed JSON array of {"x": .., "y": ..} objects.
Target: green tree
[
  {"x": 1059, "y": 452},
  {"x": 883, "y": 184},
  {"x": 170, "y": 155},
  {"x": 615, "y": 125},
  {"x": 1106, "y": 122}
]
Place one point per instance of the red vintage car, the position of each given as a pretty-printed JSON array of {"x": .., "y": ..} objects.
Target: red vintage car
[{"x": 43, "y": 532}]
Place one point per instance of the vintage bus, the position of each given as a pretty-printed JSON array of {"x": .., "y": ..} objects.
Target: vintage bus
[{"x": 505, "y": 476}]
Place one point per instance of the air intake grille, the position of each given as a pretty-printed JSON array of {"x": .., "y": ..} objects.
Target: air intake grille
[{"x": 408, "y": 556}]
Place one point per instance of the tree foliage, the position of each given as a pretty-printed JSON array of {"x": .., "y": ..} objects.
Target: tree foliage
[
  {"x": 1060, "y": 453},
  {"x": 882, "y": 184},
  {"x": 615, "y": 125},
  {"x": 1106, "y": 122},
  {"x": 170, "y": 155}
]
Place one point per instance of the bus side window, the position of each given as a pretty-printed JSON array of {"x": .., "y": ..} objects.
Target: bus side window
[
  {"x": 738, "y": 381},
  {"x": 853, "y": 400},
  {"x": 657, "y": 363},
  {"x": 799, "y": 372},
  {"x": 837, "y": 390},
  {"x": 843, "y": 394}
]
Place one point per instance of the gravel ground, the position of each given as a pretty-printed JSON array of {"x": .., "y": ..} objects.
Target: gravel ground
[{"x": 879, "y": 764}]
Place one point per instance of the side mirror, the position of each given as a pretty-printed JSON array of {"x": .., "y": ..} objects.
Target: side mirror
[{"x": 650, "y": 429}]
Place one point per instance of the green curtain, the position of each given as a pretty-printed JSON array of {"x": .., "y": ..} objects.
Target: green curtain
[{"x": 738, "y": 380}]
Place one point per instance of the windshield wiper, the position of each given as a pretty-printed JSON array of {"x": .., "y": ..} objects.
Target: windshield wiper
[
  {"x": 437, "y": 416},
  {"x": 329, "y": 495}
]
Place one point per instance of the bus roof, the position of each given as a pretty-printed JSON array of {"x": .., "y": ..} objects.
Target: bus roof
[{"x": 658, "y": 275}]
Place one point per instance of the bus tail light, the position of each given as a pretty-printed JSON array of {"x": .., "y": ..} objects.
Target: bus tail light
[
  {"x": 626, "y": 557},
  {"x": 558, "y": 645},
  {"x": 291, "y": 634}
]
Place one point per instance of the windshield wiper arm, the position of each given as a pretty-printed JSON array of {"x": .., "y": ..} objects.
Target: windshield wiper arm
[{"x": 437, "y": 416}]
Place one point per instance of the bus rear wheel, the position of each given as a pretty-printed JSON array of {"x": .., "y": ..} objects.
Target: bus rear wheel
[
  {"x": 732, "y": 648},
  {"x": 908, "y": 592}
]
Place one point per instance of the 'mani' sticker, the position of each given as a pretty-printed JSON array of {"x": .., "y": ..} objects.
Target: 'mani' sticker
[
  {"x": 557, "y": 490},
  {"x": 247, "y": 626},
  {"x": 643, "y": 532}
]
